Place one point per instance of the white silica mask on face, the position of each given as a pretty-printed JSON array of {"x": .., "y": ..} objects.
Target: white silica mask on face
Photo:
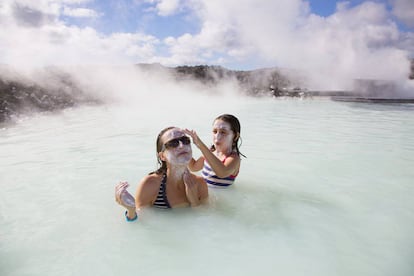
[
  {"x": 182, "y": 154},
  {"x": 179, "y": 155},
  {"x": 222, "y": 135},
  {"x": 172, "y": 134}
]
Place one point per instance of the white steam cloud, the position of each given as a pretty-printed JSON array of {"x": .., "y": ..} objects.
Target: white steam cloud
[{"x": 362, "y": 41}]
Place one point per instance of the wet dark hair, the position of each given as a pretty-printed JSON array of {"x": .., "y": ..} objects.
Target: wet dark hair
[
  {"x": 159, "y": 145},
  {"x": 235, "y": 127}
]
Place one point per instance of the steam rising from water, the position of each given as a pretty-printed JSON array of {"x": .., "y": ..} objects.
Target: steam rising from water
[
  {"x": 151, "y": 90},
  {"x": 360, "y": 41},
  {"x": 128, "y": 84}
]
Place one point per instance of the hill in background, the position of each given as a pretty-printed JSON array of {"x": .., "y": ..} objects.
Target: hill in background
[{"x": 22, "y": 95}]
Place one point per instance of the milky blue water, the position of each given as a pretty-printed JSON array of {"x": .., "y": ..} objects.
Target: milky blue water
[{"x": 327, "y": 188}]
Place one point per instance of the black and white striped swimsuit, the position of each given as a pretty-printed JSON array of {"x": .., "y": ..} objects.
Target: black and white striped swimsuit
[{"x": 162, "y": 201}]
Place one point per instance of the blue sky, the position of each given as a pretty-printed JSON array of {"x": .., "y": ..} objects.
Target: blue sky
[
  {"x": 237, "y": 34},
  {"x": 127, "y": 16}
]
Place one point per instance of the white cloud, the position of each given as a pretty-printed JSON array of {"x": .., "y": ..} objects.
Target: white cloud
[
  {"x": 60, "y": 45},
  {"x": 407, "y": 42},
  {"x": 182, "y": 50},
  {"x": 79, "y": 12},
  {"x": 45, "y": 40},
  {"x": 38, "y": 13},
  {"x": 404, "y": 11},
  {"x": 51, "y": 7},
  {"x": 167, "y": 7},
  {"x": 73, "y": 2},
  {"x": 43, "y": 6},
  {"x": 354, "y": 41}
]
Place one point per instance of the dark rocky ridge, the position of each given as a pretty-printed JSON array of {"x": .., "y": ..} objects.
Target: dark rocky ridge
[
  {"x": 412, "y": 70},
  {"x": 253, "y": 83},
  {"x": 19, "y": 96},
  {"x": 22, "y": 96},
  {"x": 258, "y": 82}
]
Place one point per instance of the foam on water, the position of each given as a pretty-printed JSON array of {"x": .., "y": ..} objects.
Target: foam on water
[{"x": 326, "y": 189}]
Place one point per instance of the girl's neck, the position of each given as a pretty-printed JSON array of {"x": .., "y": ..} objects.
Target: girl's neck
[
  {"x": 225, "y": 153},
  {"x": 175, "y": 173}
]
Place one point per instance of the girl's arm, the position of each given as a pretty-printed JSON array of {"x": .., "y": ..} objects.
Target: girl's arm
[
  {"x": 196, "y": 165},
  {"x": 147, "y": 190},
  {"x": 125, "y": 199},
  {"x": 225, "y": 169},
  {"x": 143, "y": 197}
]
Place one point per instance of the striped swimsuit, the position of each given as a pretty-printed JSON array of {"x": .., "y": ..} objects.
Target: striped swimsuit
[
  {"x": 212, "y": 179},
  {"x": 162, "y": 201}
]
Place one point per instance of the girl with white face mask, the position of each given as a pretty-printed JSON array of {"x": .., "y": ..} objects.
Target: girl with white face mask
[
  {"x": 171, "y": 185},
  {"x": 220, "y": 163}
]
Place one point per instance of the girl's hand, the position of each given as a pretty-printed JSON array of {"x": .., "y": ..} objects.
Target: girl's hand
[
  {"x": 191, "y": 188},
  {"x": 123, "y": 197},
  {"x": 193, "y": 135}
]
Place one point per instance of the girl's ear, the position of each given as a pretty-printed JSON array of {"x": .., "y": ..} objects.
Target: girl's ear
[
  {"x": 237, "y": 136},
  {"x": 161, "y": 156}
]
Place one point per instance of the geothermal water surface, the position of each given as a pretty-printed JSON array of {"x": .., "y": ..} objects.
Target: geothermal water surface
[{"x": 326, "y": 189}]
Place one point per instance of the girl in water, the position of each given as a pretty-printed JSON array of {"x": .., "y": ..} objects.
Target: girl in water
[
  {"x": 220, "y": 163},
  {"x": 172, "y": 185}
]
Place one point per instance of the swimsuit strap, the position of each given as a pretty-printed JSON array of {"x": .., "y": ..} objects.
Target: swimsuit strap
[
  {"x": 225, "y": 157},
  {"x": 162, "y": 201}
]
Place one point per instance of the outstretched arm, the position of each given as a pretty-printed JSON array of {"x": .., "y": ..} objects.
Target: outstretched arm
[
  {"x": 196, "y": 165},
  {"x": 221, "y": 169},
  {"x": 125, "y": 199},
  {"x": 145, "y": 194}
]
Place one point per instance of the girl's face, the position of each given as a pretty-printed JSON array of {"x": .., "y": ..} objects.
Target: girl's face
[
  {"x": 222, "y": 135},
  {"x": 177, "y": 147}
]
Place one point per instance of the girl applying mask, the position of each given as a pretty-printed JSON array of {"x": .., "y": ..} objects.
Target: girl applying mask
[{"x": 220, "y": 162}]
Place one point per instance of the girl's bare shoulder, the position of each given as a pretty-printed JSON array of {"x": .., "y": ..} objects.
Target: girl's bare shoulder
[{"x": 151, "y": 180}]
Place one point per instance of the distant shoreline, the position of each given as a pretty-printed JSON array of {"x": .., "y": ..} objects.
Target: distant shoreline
[{"x": 19, "y": 95}]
